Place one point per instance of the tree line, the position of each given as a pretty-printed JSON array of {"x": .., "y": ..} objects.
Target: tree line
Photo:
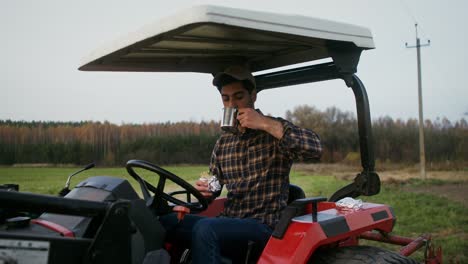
[{"x": 192, "y": 142}]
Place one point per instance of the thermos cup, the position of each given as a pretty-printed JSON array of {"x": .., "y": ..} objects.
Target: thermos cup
[{"x": 229, "y": 121}]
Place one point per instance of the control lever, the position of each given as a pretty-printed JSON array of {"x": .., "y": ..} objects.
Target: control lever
[{"x": 66, "y": 189}]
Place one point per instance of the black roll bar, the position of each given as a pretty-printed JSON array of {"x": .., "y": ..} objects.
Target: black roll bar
[
  {"x": 367, "y": 182},
  {"x": 306, "y": 74}
]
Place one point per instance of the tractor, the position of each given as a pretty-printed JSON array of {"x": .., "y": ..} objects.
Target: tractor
[{"x": 104, "y": 220}]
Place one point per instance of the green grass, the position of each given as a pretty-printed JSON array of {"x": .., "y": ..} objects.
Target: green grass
[
  {"x": 417, "y": 214},
  {"x": 52, "y": 180}
]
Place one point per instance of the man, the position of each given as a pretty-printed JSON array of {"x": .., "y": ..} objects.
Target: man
[{"x": 254, "y": 166}]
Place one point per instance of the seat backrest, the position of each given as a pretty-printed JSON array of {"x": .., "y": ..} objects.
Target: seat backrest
[{"x": 295, "y": 192}]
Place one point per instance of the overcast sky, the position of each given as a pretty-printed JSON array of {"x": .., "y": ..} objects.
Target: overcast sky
[{"x": 43, "y": 42}]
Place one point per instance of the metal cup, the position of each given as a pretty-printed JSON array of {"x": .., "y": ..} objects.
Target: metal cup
[{"x": 229, "y": 121}]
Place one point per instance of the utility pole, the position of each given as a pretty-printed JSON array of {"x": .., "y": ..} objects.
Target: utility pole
[{"x": 422, "y": 154}]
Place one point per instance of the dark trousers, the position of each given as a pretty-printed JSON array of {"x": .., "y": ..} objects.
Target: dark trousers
[{"x": 211, "y": 238}]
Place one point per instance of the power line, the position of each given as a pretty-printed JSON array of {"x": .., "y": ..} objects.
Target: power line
[
  {"x": 408, "y": 11},
  {"x": 411, "y": 15},
  {"x": 422, "y": 30}
]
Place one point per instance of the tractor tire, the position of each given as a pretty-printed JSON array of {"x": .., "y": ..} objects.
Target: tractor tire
[{"x": 359, "y": 255}]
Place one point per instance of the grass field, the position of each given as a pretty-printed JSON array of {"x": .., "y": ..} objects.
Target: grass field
[{"x": 417, "y": 211}]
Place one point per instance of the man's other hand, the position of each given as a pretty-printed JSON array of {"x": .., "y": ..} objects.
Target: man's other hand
[{"x": 202, "y": 187}]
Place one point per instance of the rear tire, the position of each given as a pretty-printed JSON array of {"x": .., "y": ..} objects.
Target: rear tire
[{"x": 359, "y": 255}]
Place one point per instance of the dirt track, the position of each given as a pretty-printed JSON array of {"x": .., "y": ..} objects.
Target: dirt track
[{"x": 454, "y": 185}]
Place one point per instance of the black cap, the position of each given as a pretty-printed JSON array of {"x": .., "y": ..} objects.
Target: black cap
[{"x": 234, "y": 72}]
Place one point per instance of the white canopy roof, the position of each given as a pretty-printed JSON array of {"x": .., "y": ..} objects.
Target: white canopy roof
[{"x": 209, "y": 38}]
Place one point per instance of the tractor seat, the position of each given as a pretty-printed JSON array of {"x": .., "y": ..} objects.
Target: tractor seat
[{"x": 295, "y": 192}]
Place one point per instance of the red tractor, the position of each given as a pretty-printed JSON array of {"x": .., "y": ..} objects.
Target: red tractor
[{"x": 103, "y": 219}]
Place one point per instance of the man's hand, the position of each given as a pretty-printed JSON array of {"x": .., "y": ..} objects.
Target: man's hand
[
  {"x": 250, "y": 118},
  {"x": 202, "y": 187}
]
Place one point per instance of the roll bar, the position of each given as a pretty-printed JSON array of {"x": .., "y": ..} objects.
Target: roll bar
[{"x": 367, "y": 182}]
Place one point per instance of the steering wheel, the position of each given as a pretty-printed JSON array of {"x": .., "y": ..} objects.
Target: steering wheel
[{"x": 159, "y": 194}]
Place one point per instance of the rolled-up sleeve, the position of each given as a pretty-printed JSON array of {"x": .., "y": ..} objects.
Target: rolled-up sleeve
[{"x": 299, "y": 143}]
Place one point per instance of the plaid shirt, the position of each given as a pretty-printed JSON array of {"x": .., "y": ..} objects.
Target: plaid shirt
[{"x": 254, "y": 167}]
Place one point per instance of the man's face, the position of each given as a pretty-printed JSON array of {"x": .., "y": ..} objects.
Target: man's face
[{"x": 235, "y": 95}]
